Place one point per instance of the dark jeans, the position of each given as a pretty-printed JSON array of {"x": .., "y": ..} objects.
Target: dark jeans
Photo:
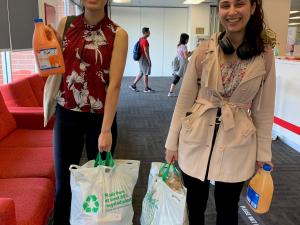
[
  {"x": 227, "y": 195},
  {"x": 176, "y": 79},
  {"x": 73, "y": 130}
]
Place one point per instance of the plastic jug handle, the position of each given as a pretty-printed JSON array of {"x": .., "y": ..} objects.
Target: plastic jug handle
[{"x": 50, "y": 34}]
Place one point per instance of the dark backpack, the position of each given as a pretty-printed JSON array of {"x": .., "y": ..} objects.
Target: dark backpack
[{"x": 137, "y": 51}]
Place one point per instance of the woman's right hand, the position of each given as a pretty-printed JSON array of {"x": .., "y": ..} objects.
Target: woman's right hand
[
  {"x": 56, "y": 33},
  {"x": 171, "y": 156}
]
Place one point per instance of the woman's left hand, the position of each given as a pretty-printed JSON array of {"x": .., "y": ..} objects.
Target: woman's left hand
[
  {"x": 105, "y": 141},
  {"x": 261, "y": 164}
]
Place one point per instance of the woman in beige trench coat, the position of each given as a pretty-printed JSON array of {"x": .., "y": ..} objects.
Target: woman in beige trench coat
[{"x": 222, "y": 123}]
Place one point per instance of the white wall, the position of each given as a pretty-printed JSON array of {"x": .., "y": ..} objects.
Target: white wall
[
  {"x": 199, "y": 16},
  {"x": 287, "y": 104},
  {"x": 277, "y": 14},
  {"x": 166, "y": 25},
  {"x": 172, "y": 30}
]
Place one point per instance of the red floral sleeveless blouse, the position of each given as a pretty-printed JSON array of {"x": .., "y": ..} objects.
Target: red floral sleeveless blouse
[{"x": 87, "y": 53}]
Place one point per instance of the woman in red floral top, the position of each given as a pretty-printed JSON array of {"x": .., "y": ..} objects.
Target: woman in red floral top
[{"x": 95, "y": 50}]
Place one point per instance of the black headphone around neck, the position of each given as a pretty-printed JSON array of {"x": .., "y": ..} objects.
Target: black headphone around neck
[{"x": 244, "y": 51}]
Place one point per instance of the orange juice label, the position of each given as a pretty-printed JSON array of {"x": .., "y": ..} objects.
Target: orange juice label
[
  {"x": 48, "y": 58},
  {"x": 252, "y": 197}
]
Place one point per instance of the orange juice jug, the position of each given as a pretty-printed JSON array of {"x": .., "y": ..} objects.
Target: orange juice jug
[
  {"x": 47, "y": 51},
  {"x": 260, "y": 190}
]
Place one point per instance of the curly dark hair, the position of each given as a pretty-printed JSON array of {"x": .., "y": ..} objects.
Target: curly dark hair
[{"x": 257, "y": 35}]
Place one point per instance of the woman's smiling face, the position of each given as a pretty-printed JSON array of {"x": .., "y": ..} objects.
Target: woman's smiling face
[{"x": 235, "y": 14}]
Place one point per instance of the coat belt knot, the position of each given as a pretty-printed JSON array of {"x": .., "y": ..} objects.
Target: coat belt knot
[{"x": 227, "y": 117}]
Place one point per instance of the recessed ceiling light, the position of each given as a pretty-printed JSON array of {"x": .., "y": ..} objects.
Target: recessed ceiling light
[
  {"x": 293, "y": 24},
  {"x": 121, "y": 1},
  {"x": 295, "y": 18},
  {"x": 293, "y": 12},
  {"x": 192, "y": 2}
]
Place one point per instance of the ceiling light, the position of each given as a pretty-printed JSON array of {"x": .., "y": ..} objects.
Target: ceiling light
[
  {"x": 121, "y": 1},
  {"x": 293, "y": 24},
  {"x": 192, "y": 2},
  {"x": 293, "y": 12},
  {"x": 295, "y": 18}
]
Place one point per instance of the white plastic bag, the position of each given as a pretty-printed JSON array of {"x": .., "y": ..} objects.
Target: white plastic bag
[
  {"x": 163, "y": 205},
  {"x": 103, "y": 195}
]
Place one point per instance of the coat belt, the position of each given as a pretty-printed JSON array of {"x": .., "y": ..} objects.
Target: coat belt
[{"x": 226, "y": 108}]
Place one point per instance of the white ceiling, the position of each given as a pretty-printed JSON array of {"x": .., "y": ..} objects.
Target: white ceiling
[
  {"x": 295, "y": 4},
  {"x": 160, "y": 3}
]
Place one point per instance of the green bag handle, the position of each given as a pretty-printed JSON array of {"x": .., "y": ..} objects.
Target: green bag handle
[
  {"x": 107, "y": 162},
  {"x": 165, "y": 170}
]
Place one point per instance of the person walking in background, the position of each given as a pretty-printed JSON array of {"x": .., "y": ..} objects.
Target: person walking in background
[
  {"x": 95, "y": 51},
  {"x": 222, "y": 123},
  {"x": 144, "y": 62},
  {"x": 182, "y": 60}
]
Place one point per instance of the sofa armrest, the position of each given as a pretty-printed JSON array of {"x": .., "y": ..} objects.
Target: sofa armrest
[
  {"x": 30, "y": 118},
  {"x": 7, "y": 212}
]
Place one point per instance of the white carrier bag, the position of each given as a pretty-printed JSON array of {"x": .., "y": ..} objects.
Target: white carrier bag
[
  {"x": 165, "y": 200},
  {"x": 102, "y": 191}
]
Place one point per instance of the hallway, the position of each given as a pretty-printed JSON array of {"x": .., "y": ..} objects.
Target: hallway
[{"x": 143, "y": 122}]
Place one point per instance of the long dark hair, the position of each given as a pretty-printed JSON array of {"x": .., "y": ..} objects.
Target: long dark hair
[
  {"x": 257, "y": 35},
  {"x": 183, "y": 38},
  {"x": 107, "y": 8},
  {"x": 255, "y": 27}
]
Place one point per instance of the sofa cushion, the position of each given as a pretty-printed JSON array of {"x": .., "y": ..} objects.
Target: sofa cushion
[
  {"x": 30, "y": 118},
  {"x": 19, "y": 93},
  {"x": 7, "y": 211},
  {"x": 37, "y": 84},
  {"x": 26, "y": 162},
  {"x": 7, "y": 122},
  {"x": 33, "y": 198},
  {"x": 28, "y": 138}
]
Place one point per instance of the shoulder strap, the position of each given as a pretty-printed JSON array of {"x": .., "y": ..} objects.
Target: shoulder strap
[
  {"x": 201, "y": 59},
  {"x": 68, "y": 24}
]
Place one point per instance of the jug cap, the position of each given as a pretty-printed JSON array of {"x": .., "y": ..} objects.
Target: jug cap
[
  {"x": 38, "y": 20},
  {"x": 267, "y": 167}
]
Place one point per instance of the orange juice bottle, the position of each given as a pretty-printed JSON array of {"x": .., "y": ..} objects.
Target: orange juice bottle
[
  {"x": 260, "y": 190},
  {"x": 47, "y": 51}
]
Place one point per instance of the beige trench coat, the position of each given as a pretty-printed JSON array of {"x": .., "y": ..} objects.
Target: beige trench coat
[{"x": 245, "y": 132}]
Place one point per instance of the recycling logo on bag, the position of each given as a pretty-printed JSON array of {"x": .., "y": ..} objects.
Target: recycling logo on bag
[
  {"x": 91, "y": 204},
  {"x": 150, "y": 207}
]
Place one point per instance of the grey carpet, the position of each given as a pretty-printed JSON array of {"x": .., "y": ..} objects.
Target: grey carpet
[{"x": 143, "y": 122}]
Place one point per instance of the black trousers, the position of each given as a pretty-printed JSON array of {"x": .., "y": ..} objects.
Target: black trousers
[
  {"x": 73, "y": 130},
  {"x": 176, "y": 79},
  {"x": 227, "y": 195}
]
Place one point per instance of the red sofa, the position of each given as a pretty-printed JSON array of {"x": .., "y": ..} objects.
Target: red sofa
[
  {"x": 25, "y": 98},
  {"x": 24, "y": 92},
  {"x": 26, "y": 166}
]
